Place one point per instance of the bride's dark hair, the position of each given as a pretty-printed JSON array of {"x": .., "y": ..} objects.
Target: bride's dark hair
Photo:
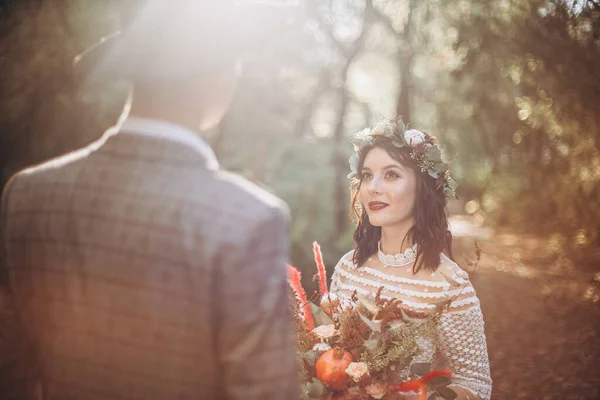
[{"x": 430, "y": 231}]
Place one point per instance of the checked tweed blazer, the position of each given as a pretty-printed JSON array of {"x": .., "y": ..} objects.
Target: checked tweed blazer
[{"x": 142, "y": 271}]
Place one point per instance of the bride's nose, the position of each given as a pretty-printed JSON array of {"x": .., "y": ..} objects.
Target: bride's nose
[{"x": 374, "y": 187}]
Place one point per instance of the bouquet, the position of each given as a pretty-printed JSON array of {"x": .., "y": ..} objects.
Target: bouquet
[{"x": 362, "y": 350}]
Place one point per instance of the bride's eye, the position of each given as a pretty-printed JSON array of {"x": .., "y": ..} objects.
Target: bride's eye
[
  {"x": 365, "y": 176},
  {"x": 392, "y": 175}
]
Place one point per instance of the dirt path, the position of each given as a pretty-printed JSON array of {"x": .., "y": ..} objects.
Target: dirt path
[{"x": 542, "y": 315}]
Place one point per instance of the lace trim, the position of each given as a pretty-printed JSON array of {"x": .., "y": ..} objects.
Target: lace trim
[
  {"x": 396, "y": 279},
  {"x": 464, "y": 302},
  {"x": 434, "y": 295},
  {"x": 359, "y": 290},
  {"x": 397, "y": 260},
  {"x": 455, "y": 304},
  {"x": 459, "y": 312}
]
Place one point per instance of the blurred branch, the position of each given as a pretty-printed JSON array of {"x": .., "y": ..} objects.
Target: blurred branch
[
  {"x": 404, "y": 55},
  {"x": 303, "y": 122},
  {"x": 349, "y": 51},
  {"x": 323, "y": 85},
  {"x": 387, "y": 22},
  {"x": 488, "y": 147},
  {"x": 61, "y": 15},
  {"x": 365, "y": 106},
  {"x": 356, "y": 46}
]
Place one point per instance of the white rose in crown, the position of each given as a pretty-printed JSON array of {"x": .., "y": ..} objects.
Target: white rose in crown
[{"x": 414, "y": 137}]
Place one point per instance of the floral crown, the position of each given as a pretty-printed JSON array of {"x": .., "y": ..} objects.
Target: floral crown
[{"x": 425, "y": 151}]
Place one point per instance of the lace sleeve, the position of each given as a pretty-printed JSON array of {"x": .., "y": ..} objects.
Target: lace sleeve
[
  {"x": 333, "y": 288},
  {"x": 463, "y": 345},
  {"x": 335, "y": 275}
]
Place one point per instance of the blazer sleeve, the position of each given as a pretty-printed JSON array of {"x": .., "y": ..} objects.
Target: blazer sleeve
[
  {"x": 255, "y": 333},
  {"x": 19, "y": 374}
]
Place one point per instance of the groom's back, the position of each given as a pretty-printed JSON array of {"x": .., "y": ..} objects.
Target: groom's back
[{"x": 125, "y": 267}]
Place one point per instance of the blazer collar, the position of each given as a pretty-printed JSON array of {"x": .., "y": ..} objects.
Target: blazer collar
[{"x": 173, "y": 132}]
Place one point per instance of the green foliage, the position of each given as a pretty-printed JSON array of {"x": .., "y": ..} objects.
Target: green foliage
[
  {"x": 527, "y": 81},
  {"x": 400, "y": 346},
  {"x": 320, "y": 317},
  {"x": 510, "y": 89},
  {"x": 45, "y": 111}
]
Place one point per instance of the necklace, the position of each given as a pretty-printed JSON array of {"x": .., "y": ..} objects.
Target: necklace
[{"x": 397, "y": 260}]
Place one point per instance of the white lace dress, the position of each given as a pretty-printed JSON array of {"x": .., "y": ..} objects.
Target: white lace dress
[{"x": 460, "y": 343}]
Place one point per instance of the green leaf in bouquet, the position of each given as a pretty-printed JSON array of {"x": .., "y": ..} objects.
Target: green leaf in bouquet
[
  {"x": 433, "y": 396},
  {"x": 310, "y": 369},
  {"x": 446, "y": 393},
  {"x": 315, "y": 388},
  {"x": 304, "y": 394},
  {"x": 311, "y": 357},
  {"x": 369, "y": 304},
  {"x": 371, "y": 344},
  {"x": 439, "y": 381},
  {"x": 434, "y": 313},
  {"x": 416, "y": 321},
  {"x": 357, "y": 352},
  {"x": 420, "y": 369},
  {"x": 320, "y": 316},
  {"x": 375, "y": 326}
]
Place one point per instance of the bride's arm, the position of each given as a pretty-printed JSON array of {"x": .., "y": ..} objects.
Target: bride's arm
[{"x": 463, "y": 343}]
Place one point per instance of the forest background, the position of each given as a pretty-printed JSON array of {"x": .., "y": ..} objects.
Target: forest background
[{"x": 511, "y": 88}]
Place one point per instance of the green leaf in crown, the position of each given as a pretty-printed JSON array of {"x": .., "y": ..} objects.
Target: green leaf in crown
[{"x": 425, "y": 151}]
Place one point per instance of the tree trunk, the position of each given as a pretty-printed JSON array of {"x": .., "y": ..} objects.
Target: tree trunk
[
  {"x": 403, "y": 105},
  {"x": 339, "y": 160},
  {"x": 405, "y": 59}
]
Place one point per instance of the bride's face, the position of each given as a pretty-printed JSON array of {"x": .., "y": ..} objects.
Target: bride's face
[{"x": 388, "y": 189}]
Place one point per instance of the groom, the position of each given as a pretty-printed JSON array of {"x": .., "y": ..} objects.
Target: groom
[{"x": 139, "y": 268}]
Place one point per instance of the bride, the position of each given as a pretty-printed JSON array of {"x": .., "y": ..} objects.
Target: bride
[{"x": 400, "y": 190}]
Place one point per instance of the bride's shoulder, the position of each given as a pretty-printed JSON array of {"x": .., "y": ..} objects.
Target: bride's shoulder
[
  {"x": 346, "y": 260},
  {"x": 452, "y": 271}
]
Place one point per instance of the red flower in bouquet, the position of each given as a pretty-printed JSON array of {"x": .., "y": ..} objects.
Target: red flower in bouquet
[
  {"x": 321, "y": 272},
  {"x": 354, "y": 352},
  {"x": 329, "y": 301},
  {"x": 294, "y": 277},
  {"x": 420, "y": 385}
]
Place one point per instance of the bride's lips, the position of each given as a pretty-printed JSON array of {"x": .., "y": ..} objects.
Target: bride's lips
[{"x": 377, "y": 205}]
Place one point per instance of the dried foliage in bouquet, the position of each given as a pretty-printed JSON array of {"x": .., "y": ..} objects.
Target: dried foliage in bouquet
[{"x": 363, "y": 350}]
